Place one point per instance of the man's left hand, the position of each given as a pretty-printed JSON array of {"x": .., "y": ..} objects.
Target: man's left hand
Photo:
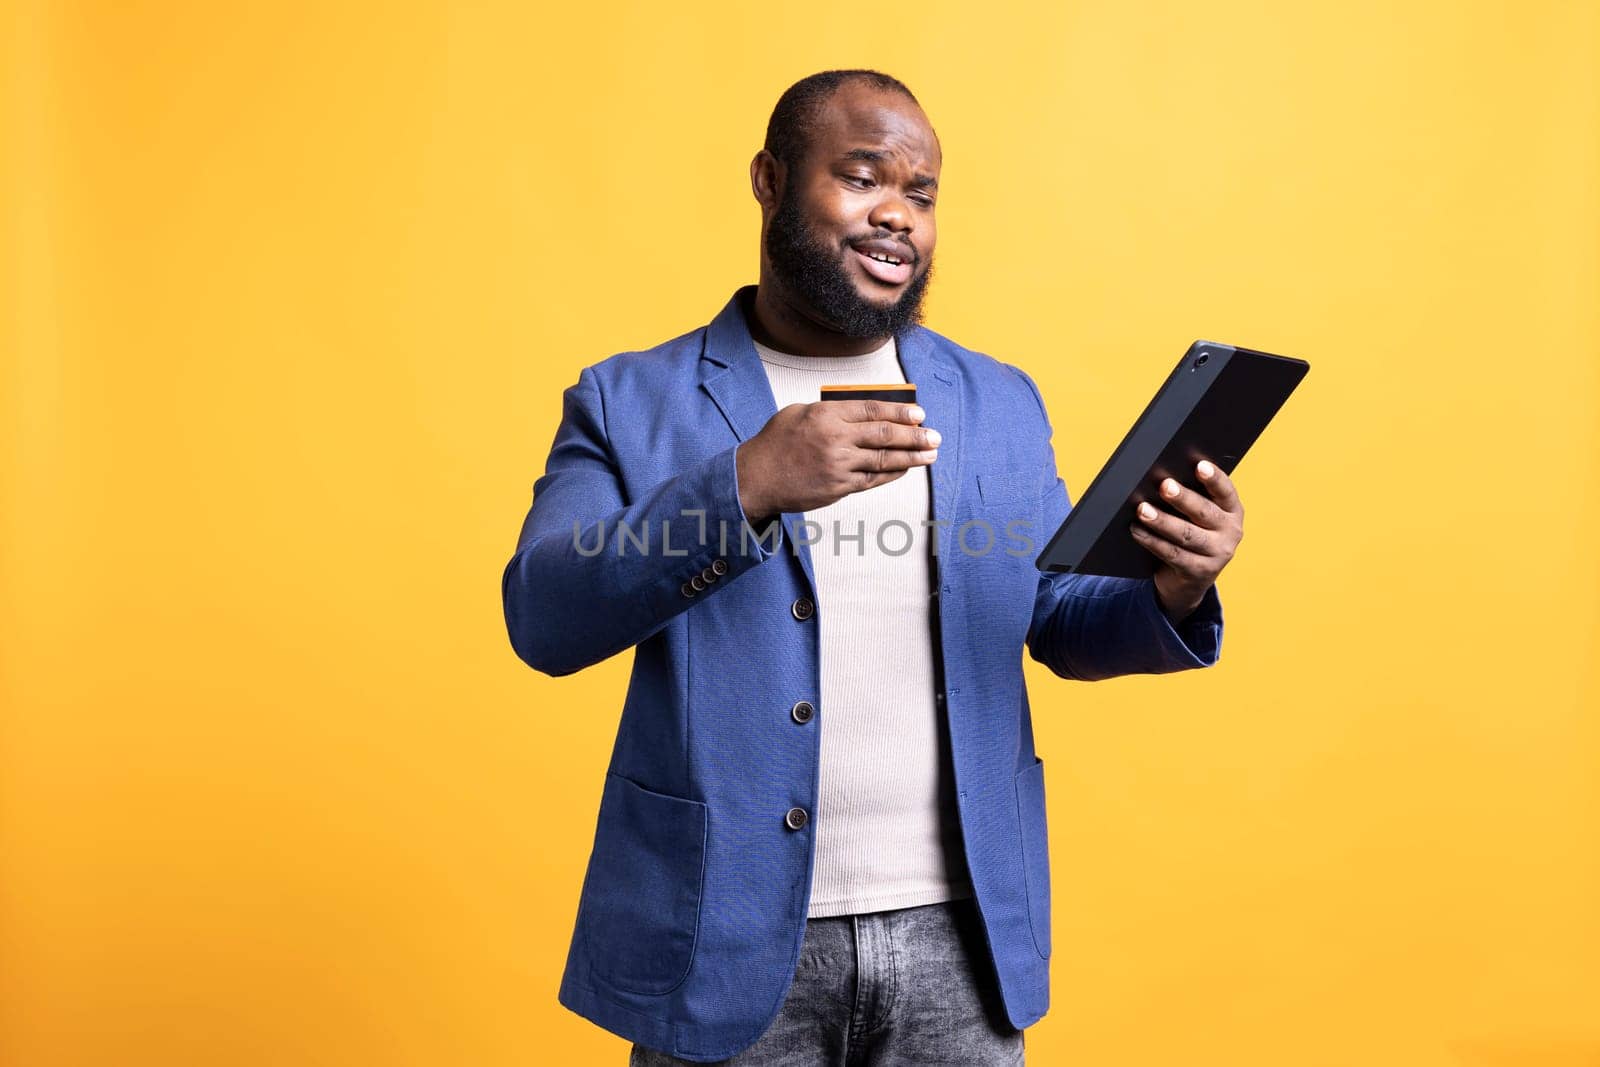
[{"x": 1192, "y": 553}]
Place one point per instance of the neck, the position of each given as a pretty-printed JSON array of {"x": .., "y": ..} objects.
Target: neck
[{"x": 782, "y": 323}]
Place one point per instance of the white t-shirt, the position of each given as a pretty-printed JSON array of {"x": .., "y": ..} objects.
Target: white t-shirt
[{"x": 887, "y": 831}]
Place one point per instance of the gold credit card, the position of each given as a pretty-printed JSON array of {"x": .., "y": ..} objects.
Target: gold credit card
[{"x": 897, "y": 392}]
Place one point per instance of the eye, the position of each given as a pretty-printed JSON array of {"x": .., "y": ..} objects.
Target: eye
[
  {"x": 855, "y": 178},
  {"x": 925, "y": 201}
]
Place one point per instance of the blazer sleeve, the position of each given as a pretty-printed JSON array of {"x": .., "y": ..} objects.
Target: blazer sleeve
[
  {"x": 593, "y": 573},
  {"x": 1090, "y": 627}
]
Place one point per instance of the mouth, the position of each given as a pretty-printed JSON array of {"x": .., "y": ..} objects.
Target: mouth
[{"x": 890, "y": 268}]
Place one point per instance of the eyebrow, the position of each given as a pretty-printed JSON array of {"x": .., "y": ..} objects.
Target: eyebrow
[{"x": 872, "y": 155}]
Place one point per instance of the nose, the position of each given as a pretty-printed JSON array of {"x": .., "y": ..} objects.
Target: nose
[{"x": 892, "y": 213}]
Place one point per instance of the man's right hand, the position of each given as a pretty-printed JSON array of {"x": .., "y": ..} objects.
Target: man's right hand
[{"x": 809, "y": 455}]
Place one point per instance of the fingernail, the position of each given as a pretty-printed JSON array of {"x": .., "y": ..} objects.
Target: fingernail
[
  {"x": 934, "y": 438},
  {"x": 1146, "y": 511},
  {"x": 1169, "y": 487},
  {"x": 916, "y": 413},
  {"x": 1206, "y": 469},
  {"x": 930, "y": 455}
]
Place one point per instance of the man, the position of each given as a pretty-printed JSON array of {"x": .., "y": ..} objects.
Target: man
[{"x": 822, "y": 834}]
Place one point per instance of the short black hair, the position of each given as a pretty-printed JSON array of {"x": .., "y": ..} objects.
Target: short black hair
[{"x": 789, "y": 128}]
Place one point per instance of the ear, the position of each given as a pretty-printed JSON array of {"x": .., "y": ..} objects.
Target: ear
[{"x": 766, "y": 179}]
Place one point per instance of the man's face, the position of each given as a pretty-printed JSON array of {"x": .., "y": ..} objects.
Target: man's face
[{"x": 863, "y": 193}]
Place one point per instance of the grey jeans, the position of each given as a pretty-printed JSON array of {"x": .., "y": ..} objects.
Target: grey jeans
[{"x": 913, "y": 987}]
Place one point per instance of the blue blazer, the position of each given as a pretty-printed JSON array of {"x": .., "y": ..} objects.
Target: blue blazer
[{"x": 693, "y": 907}]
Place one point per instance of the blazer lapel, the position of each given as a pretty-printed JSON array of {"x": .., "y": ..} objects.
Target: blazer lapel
[
  {"x": 939, "y": 395},
  {"x": 732, "y": 374},
  {"x": 731, "y": 371}
]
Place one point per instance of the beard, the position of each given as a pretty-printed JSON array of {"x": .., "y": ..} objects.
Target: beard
[{"x": 814, "y": 271}]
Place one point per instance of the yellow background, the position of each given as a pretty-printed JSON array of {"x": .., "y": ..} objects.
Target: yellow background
[{"x": 291, "y": 292}]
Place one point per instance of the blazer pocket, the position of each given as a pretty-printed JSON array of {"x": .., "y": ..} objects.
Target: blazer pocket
[
  {"x": 996, "y": 486},
  {"x": 639, "y": 912},
  {"x": 996, "y": 532},
  {"x": 1035, "y": 852}
]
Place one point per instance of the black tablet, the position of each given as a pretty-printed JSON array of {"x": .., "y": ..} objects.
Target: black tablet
[{"x": 1213, "y": 405}]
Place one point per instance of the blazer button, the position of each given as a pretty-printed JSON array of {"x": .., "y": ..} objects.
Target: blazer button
[
  {"x": 697, "y": 583},
  {"x": 708, "y": 575},
  {"x": 720, "y": 566},
  {"x": 686, "y": 589},
  {"x": 795, "y": 819},
  {"x": 802, "y": 711},
  {"x": 802, "y": 609}
]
